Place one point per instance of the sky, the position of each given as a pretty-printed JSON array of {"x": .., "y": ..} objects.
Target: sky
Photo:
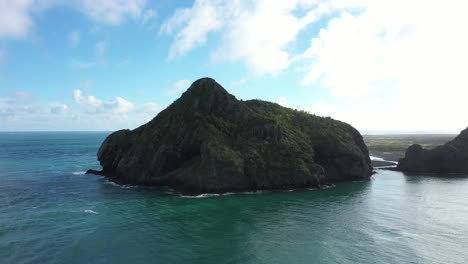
[{"x": 73, "y": 65}]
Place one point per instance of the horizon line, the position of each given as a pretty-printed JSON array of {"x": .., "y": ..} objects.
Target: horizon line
[{"x": 363, "y": 132}]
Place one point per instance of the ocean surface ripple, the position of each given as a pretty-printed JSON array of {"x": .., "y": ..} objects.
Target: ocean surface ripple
[{"x": 51, "y": 212}]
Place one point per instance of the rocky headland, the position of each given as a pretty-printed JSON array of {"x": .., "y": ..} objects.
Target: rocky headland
[
  {"x": 207, "y": 141},
  {"x": 451, "y": 157}
]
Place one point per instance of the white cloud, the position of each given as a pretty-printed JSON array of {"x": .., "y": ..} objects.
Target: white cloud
[
  {"x": 282, "y": 101},
  {"x": 74, "y": 39},
  {"x": 92, "y": 103},
  {"x": 15, "y": 110},
  {"x": 112, "y": 11},
  {"x": 116, "y": 113},
  {"x": 257, "y": 33},
  {"x": 18, "y": 111},
  {"x": 60, "y": 109},
  {"x": 260, "y": 35},
  {"x": 205, "y": 16},
  {"x": 410, "y": 56},
  {"x": 119, "y": 106},
  {"x": 18, "y": 114},
  {"x": 15, "y": 18},
  {"x": 179, "y": 87},
  {"x": 399, "y": 55}
]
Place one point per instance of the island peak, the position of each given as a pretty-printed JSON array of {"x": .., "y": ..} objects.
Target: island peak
[
  {"x": 205, "y": 87},
  {"x": 207, "y": 141}
]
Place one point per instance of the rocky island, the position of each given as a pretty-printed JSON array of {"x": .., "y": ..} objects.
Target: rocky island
[
  {"x": 207, "y": 141},
  {"x": 451, "y": 157}
]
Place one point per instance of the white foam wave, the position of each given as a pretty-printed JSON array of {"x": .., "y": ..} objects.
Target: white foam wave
[
  {"x": 78, "y": 172},
  {"x": 208, "y": 195},
  {"x": 376, "y": 158},
  {"x": 90, "y": 212},
  {"x": 203, "y": 195},
  {"x": 381, "y": 159},
  {"x": 324, "y": 187},
  {"x": 123, "y": 186}
]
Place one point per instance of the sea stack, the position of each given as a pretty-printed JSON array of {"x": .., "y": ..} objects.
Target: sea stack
[
  {"x": 449, "y": 158},
  {"x": 207, "y": 141}
]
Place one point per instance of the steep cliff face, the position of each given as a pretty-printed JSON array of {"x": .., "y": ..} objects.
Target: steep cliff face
[
  {"x": 451, "y": 157},
  {"x": 208, "y": 141}
]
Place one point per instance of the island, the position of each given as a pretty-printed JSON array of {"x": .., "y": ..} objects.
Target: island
[
  {"x": 451, "y": 157},
  {"x": 207, "y": 141}
]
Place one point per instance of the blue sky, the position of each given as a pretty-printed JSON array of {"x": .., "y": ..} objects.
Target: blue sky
[{"x": 112, "y": 64}]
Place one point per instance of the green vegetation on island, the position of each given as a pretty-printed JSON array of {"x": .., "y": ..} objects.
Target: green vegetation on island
[
  {"x": 208, "y": 141},
  {"x": 393, "y": 147}
]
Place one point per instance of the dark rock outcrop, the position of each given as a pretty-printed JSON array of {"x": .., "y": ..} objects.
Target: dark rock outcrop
[
  {"x": 207, "y": 141},
  {"x": 95, "y": 172},
  {"x": 448, "y": 158}
]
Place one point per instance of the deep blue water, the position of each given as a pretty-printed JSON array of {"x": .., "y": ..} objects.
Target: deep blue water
[{"x": 50, "y": 212}]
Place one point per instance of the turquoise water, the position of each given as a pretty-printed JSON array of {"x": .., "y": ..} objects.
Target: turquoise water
[{"x": 50, "y": 212}]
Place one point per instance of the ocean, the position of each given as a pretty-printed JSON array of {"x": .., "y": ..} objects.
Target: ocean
[{"x": 51, "y": 212}]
